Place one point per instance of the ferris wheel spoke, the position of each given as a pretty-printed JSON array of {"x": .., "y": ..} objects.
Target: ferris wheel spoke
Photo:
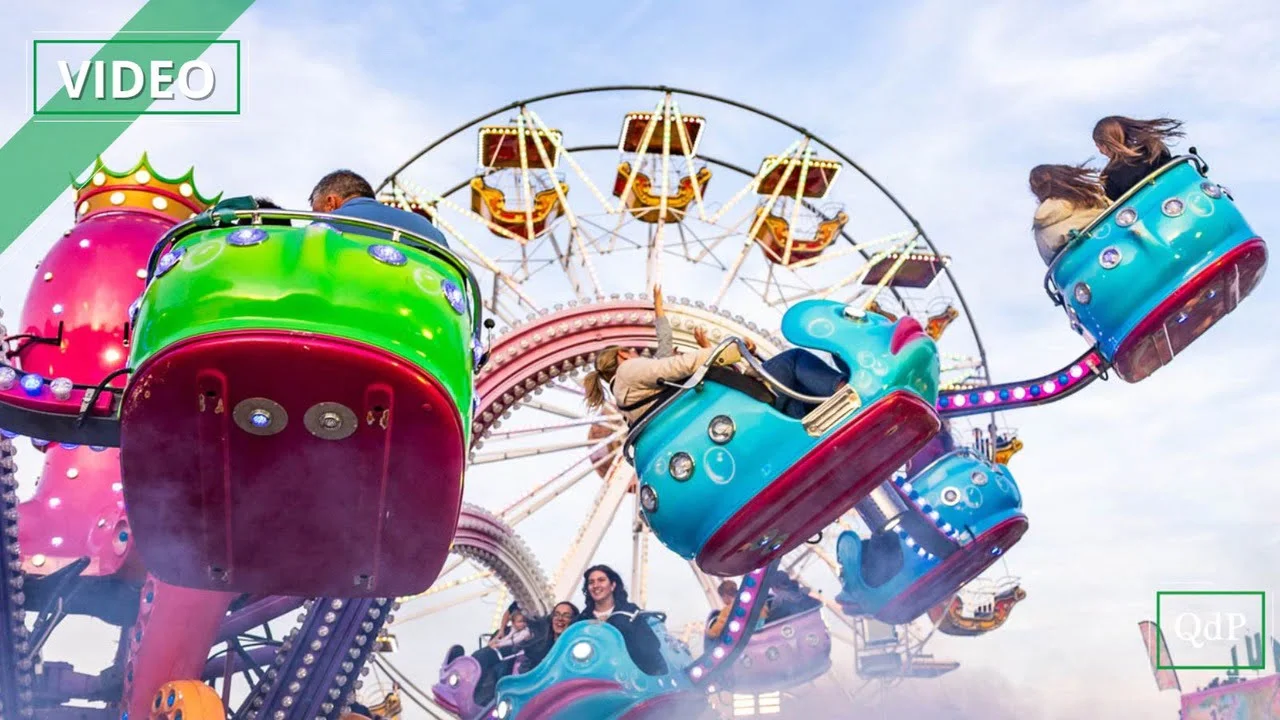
[
  {"x": 893, "y": 271},
  {"x": 575, "y": 235},
  {"x": 733, "y": 273},
  {"x": 689, "y": 150},
  {"x": 616, "y": 484},
  {"x": 592, "y": 420},
  {"x": 441, "y": 587},
  {"x": 861, "y": 272},
  {"x": 533, "y": 500},
  {"x": 710, "y": 588},
  {"x": 795, "y": 207},
  {"x": 525, "y": 183},
  {"x": 534, "y": 504},
  {"x": 429, "y": 206},
  {"x": 539, "y": 450},
  {"x": 568, "y": 157},
  {"x": 765, "y": 168},
  {"x": 640, "y": 557},
  {"x": 614, "y": 236},
  {"x": 554, "y": 409},
  {"x": 441, "y": 607},
  {"x": 727, "y": 233}
]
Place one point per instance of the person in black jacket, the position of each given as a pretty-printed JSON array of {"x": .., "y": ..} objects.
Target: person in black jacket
[
  {"x": 606, "y": 601},
  {"x": 563, "y": 615},
  {"x": 1134, "y": 149}
]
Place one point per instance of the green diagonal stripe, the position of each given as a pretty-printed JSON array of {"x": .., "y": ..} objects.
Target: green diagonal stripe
[{"x": 42, "y": 155}]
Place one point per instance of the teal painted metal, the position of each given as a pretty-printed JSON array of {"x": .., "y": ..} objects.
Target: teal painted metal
[
  {"x": 589, "y": 675},
  {"x": 953, "y": 501},
  {"x": 1123, "y": 266},
  {"x": 766, "y": 442}
]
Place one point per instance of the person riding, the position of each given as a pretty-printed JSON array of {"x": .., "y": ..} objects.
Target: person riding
[
  {"x": 605, "y": 600},
  {"x": 1070, "y": 198},
  {"x": 563, "y": 615},
  {"x": 1134, "y": 149},
  {"x": 636, "y": 381},
  {"x": 728, "y": 592},
  {"x": 343, "y": 192}
]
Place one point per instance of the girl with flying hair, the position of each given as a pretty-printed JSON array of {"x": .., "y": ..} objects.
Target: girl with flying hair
[
  {"x": 1070, "y": 198},
  {"x": 1134, "y": 149},
  {"x": 636, "y": 381}
]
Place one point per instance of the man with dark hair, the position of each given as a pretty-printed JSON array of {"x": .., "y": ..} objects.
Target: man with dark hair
[{"x": 343, "y": 192}]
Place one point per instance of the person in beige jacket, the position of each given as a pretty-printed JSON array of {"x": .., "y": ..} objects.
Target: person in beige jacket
[
  {"x": 636, "y": 380},
  {"x": 1070, "y": 198}
]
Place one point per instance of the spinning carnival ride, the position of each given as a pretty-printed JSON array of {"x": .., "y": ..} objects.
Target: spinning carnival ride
[{"x": 206, "y": 415}]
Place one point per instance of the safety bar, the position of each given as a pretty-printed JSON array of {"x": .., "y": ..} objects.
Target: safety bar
[
  {"x": 1074, "y": 237},
  {"x": 697, "y": 378},
  {"x": 224, "y": 216}
]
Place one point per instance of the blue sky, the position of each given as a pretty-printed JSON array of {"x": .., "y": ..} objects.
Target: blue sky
[{"x": 1129, "y": 489}]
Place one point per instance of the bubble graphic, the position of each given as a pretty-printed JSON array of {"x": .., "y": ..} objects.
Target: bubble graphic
[{"x": 719, "y": 465}]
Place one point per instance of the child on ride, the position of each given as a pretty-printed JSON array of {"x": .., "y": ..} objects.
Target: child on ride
[
  {"x": 636, "y": 381},
  {"x": 1134, "y": 149},
  {"x": 1070, "y": 198}
]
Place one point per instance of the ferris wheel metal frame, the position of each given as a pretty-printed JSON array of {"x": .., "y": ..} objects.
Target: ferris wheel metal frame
[{"x": 538, "y": 353}]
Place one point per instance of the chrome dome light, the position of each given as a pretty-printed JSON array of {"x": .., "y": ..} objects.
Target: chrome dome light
[
  {"x": 1210, "y": 189},
  {"x": 1126, "y": 217},
  {"x": 1082, "y": 293},
  {"x": 950, "y": 496},
  {"x": 681, "y": 466},
  {"x": 648, "y": 499},
  {"x": 1173, "y": 207},
  {"x": 1110, "y": 257},
  {"x": 721, "y": 429}
]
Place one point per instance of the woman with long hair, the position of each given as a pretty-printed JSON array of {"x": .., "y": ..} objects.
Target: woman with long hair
[
  {"x": 562, "y": 616},
  {"x": 636, "y": 381},
  {"x": 1134, "y": 149},
  {"x": 605, "y": 600},
  {"x": 1070, "y": 198}
]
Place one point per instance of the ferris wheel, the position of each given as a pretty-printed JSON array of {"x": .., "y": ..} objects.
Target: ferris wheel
[{"x": 570, "y": 207}]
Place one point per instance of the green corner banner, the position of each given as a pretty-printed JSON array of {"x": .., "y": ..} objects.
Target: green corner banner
[{"x": 42, "y": 156}]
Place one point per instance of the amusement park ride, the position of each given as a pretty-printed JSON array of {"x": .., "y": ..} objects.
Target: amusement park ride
[{"x": 239, "y": 378}]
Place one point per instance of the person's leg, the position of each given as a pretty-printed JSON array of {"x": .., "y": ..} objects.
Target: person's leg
[
  {"x": 486, "y": 656},
  {"x": 805, "y": 373}
]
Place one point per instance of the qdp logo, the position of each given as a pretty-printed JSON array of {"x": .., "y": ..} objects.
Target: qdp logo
[
  {"x": 1203, "y": 628},
  {"x": 136, "y": 76}
]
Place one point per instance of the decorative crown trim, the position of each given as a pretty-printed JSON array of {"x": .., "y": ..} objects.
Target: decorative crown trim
[{"x": 138, "y": 189}]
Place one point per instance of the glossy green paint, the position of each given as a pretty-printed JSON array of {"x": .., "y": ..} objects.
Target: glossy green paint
[{"x": 312, "y": 279}]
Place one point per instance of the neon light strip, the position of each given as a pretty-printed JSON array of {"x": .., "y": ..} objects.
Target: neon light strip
[
  {"x": 1038, "y": 391},
  {"x": 745, "y": 615}
]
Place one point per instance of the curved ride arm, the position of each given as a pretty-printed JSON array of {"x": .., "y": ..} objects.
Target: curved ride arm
[
  {"x": 720, "y": 656},
  {"x": 696, "y": 379},
  {"x": 1037, "y": 391},
  {"x": 225, "y": 217},
  {"x": 1054, "y": 292}
]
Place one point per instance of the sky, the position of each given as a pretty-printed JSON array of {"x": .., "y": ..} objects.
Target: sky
[{"x": 1130, "y": 488}]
